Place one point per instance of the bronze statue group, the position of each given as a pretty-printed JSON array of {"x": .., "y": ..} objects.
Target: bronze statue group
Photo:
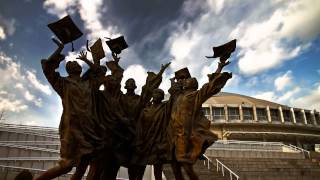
[{"x": 106, "y": 129}]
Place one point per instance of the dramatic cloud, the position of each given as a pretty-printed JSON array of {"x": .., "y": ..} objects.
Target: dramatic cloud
[
  {"x": 267, "y": 44},
  {"x": 283, "y": 81},
  {"x": 31, "y": 76},
  {"x": 90, "y": 12},
  {"x": 309, "y": 101},
  {"x": 18, "y": 86},
  {"x": 138, "y": 73},
  {"x": 59, "y": 8}
]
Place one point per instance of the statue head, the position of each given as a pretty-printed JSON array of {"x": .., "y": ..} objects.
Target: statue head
[
  {"x": 130, "y": 84},
  {"x": 190, "y": 84},
  {"x": 157, "y": 95},
  {"x": 73, "y": 68},
  {"x": 110, "y": 82}
]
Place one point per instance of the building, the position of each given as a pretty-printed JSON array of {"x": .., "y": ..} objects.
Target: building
[{"x": 239, "y": 117}]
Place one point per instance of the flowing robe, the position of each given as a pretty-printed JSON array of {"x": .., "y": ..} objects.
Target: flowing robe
[
  {"x": 152, "y": 140},
  {"x": 190, "y": 128},
  {"x": 79, "y": 129}
]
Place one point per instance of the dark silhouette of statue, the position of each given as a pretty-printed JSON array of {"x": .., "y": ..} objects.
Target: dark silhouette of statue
[
  {"x": 24, "y": 175},
  {"x": 151, "y": 144},
  {"x": 190, "y": 128},
  {"x": 79, "y": 129},
  {"x": 107, "y": 129}
]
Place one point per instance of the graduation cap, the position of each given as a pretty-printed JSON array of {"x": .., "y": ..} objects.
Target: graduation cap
[
  {"x": 97, "y": 51},
  {"x": 182, "y": 73},
  {"x": 65, "y": 30},
  {"x": 117, "y": 45},
  {"x": 224, "y": 51}
]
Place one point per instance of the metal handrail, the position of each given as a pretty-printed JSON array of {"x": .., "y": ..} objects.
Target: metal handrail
[
  {"x": 231, "y": 173},
  {"x": 300, "y": 149},
  {"x": 208, "y": 159}
]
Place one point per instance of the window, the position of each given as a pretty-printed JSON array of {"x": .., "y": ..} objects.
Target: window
[
  {"x": 233, "y": 113},
  {"x": 287, "y": 115},
  {"x": 299, "y": 116},
  {"x": 247, "y": 113},
  {"x": 309, "y": 117},
  {"x": 317, "y": 116},
  {"x": 206, "y": 112},
  {"x": 275, "y": 116},
  {"x": 262, "y": 114},
  {"x": 218, "y": 113}
]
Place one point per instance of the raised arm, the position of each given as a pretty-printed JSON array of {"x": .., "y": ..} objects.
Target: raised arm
[
  {"x": 51, "y": 64},
  {"x": 163, "y": 68},
  {"x": 83, "y": 57}
]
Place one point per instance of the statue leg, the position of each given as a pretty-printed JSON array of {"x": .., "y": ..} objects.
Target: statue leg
[
  {"x": 189, "y": 170},
  {"x": 111, "y": 172},
  {"x": 80, "y": 169},
  {"x": 176, "y": 168},
  {"x": 93, "y": 170},
  {"x": 136, "y": 172},
  {"x": 54, "y": 172},
  {"x": 157, "y": 171}
]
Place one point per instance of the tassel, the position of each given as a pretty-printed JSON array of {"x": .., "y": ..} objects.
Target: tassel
[{"x": 72, "y": 48}]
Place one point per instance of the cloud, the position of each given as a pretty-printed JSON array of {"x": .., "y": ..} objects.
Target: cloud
[
  {"x": 283, "y": 81},
  {"x": 59, "y": 8},
  {"x": 19, "y": 86},
  {"x": 90, "y": 12},
  {"x": 37, "y": 84},
  {"x": 308, "y": 101},
  {"x": 267, "y": 44},
  {"x": 7, "y": 27},
  {"x": 278, "y": 98},
  {"x": 12, "y": 105},
  {"x": 289, "y": 94},
  {"x": 268, "y": 95},
  {"x": 2, "y": 34},
  {"x": 138, "y": 73}
]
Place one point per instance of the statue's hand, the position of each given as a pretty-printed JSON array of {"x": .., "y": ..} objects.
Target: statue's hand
[
  {"x": 115, "y": 57},
  {"x": 82, "y": 56},
  {"x": 163, "y": 67},
  {"x": 58, "y": 43}
]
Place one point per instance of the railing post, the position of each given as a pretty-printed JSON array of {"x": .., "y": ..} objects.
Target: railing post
[{"x": 222, "y": 168}]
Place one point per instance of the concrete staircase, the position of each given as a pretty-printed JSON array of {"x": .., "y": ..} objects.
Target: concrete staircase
[
  {"x": 201, "y": 168},
  {"x": 275, "y": 169}
]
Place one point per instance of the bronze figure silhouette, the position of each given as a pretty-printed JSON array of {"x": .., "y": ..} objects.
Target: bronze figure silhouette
[{"x": 106, "y": 129}]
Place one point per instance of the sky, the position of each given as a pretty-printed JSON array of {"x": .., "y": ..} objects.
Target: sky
[{"x": 277, "y": 55}]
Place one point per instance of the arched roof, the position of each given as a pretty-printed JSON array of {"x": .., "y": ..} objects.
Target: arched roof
[{"x": 232, "y": 98}]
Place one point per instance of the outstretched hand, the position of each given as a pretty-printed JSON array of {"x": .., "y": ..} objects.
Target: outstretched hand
[
  {"x": 163, "y": 67},
  {"x": 115, "y": 57},
  {"x": 82, "y": 56}
]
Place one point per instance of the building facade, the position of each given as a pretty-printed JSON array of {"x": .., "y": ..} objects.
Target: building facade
[{"x": 238, "y": 117}]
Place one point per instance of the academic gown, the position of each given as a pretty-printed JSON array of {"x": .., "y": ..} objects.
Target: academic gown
[
  {"x": 190, "y": 129},
  {"x": 79, "y": 128}
]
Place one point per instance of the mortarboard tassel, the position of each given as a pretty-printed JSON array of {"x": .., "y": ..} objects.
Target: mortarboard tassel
[{"x": 72, "y": 48}]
